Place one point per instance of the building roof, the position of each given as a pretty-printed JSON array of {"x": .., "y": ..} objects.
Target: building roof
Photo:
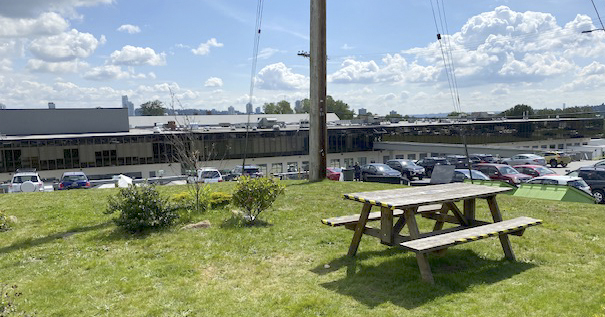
[{"x": 215, "y": 120}]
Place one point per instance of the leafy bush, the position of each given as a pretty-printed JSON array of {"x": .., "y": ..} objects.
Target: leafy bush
[
  {"x": 141, "y": 208},
  {"x": 219, "y": 199},
  {"x": 254, "y": 195}
]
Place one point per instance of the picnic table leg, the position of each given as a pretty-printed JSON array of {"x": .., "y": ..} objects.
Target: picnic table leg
[
  {"x": 361, "y": 224},
  {"x": 439, "y": 223},
  {"x": 504, "y": 240},
  {"x": 469, "y": 210},
  {"x": 386, "y": 225},
  {"x": 421, "y": 258}
]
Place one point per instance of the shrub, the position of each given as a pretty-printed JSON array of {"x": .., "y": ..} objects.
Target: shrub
[
  {"x": 254, "y": 195},
  {"x": 219, "y": 199},
  {"x": 141, "y": 208}
]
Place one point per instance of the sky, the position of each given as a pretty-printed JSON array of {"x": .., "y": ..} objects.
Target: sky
[{"x": 382, "y": 55}]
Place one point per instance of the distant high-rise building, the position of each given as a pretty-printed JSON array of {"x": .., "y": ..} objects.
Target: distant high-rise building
[
  {"x": 393, "y": 112},
  {"x": 298, "y": 106},
  {"x": 249, "y": 107},
  {"x": 127, "y": 104},
  {"x": 51, "y": 105},
  {"x": 258, "y": 111},
  {"x": 231, "y": 110},
  {"x": 363, "y": 111}
]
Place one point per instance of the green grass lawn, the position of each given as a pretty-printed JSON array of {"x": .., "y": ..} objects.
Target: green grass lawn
[{"x": 69, "y": 259}]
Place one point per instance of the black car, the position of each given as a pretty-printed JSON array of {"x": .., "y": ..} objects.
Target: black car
[
  {"x": 249, "y": 170},
  {"x": 377, "y": 169},
  {"x": 407, "y": 168},
  {"x": 595, "y": 178},
  {"x": 481, "y": 158},
  {"x": 429, "y": 163},
  {"x": 460, "y": 161}
]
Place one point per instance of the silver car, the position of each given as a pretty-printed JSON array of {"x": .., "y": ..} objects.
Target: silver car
[
  {"x": 565, "y": 180},
  {"x": 525, "y": 159}
]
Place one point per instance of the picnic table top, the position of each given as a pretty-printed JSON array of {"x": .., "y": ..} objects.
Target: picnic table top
[{"x": 425, "y": 195}]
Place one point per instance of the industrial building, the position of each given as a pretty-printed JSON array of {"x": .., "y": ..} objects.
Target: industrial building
[{"x": 105, "y": 142}]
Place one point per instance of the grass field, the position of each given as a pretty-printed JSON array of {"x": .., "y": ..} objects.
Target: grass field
[{"x": 69, "y": 259}]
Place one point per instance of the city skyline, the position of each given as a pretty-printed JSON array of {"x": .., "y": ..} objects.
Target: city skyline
[{"x": 382, "y": 58}]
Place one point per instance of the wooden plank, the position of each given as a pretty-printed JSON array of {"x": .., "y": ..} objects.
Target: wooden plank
[
  {"x": 363, "y": 219},
  {"x": 386, "y": 225},
  {"x": 343, "y": 220},
  {"x": 425, "y": 195},
  {"x": 441, "y": 241},
  {"x": 504, "y": 240}
]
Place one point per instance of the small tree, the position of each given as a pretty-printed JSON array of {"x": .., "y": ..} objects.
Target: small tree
[
  {"x": 153, "y": 108},
  {"x": 141, "y": 208},
  {"x": 254, "y": 195}
]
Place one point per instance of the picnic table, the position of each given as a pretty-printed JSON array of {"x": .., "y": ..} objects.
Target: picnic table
[{"x": 400, "y": 207}]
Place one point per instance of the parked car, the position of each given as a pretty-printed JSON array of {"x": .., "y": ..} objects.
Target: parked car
[
  {"x": 208, "y": 175},
  {"x": 333, "y": 173},
  {"x": 522, "y": 159},
  {"x": 460, "y": 161},
  {"x": 429, "y": 163},
  {"x": 378, "y": 169},
  {"x": 595, "y": 178},
  {"x": 481, "y": 158},
  {"x": 503, "y": 172},
  {"x": 25, "y": 181},
  {"x": 73, "y": 180},
  {"x": 564, "y": 180},
  {"x": 461, "y": 174},
  {"x": 407, "y": 168},
  {"x": 555, "y": 158},
  {"x": 248, "y": 170},
  {"x": 534, "y": 170}
]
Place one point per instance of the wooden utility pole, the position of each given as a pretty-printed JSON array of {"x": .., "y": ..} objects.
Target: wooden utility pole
[{"x": 318, "y": 131}]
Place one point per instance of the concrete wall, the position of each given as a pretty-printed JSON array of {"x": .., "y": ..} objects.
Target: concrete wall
[{"x": 63, "y": 121}]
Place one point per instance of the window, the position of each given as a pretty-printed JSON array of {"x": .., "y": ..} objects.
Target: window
[
  {"x": 277, "y": 168},
  {"x": 293, "y": 166},
  {"x": 362, "y": 160},
  {"x": 385, "y": 158},
  {"x": 400, "y": 156},
  {"x": 334, "y": 163},
  {"x": 263, "y": 168},
  {"x": 422, "y": 155},
  {"x": 411, "y": 156},
  {"x": 348, "y": 162}
]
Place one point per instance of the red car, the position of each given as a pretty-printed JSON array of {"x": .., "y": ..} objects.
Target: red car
[
  {"x": 534, "y": 170},
  {"x": 503, "y": 172},
  {"x": 333, "y": 173}
]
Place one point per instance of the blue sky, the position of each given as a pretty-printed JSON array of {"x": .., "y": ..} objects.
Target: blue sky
[{"x": 383, "y": 55}]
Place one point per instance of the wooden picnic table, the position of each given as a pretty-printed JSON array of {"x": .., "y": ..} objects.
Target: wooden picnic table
[{"x": 433, "y": 202}]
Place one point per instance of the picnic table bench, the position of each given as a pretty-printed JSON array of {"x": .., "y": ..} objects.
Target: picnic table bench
[{"x": 433, "y": 202}]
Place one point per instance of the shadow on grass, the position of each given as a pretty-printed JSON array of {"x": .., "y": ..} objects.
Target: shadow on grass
[
  {"x": 235, "y": 222},
  {"x": 397, "y": 280},
  {"x": 28, "y": 243}
]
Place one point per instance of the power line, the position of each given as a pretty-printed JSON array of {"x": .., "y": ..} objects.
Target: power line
[
  {"x": 598, "y": 15},
  {"x": 257, "y": 32}
]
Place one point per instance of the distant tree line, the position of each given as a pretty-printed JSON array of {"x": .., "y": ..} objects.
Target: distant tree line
[{"x": 339, "y": 107}]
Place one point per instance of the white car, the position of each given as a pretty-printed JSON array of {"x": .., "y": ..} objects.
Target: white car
[
  {"x": 25, "y": 182},
  {"x": 564, "y": 180},
  {"x": 208, "y": 175},
  {"x": 524, "y": 159}
]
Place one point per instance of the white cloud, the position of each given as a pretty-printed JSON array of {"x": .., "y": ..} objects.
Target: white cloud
[
  {"x": 136, "y": 56},
  {"x": 213, "y": 82},
  {"x": 267, "y": 52},
  {"x": 279, "y": 77},
  {"x": 5, "y": 66},
  {"x": 36, "y": 65},
  {"x": 394, "y": 68},
  {"x": 346, "y": 47},
  {"x": 48, "y": 23},
  {"x": 129, "y": 28},
  {"x": 28, "y": 8},
  {"x": 105, "y": 73},
  {"x": 204, "y": 48},
  {"x": 64, "y": 47}
]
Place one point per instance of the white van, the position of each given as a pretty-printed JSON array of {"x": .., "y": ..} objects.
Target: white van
[{"x": 208, "y": 175}]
